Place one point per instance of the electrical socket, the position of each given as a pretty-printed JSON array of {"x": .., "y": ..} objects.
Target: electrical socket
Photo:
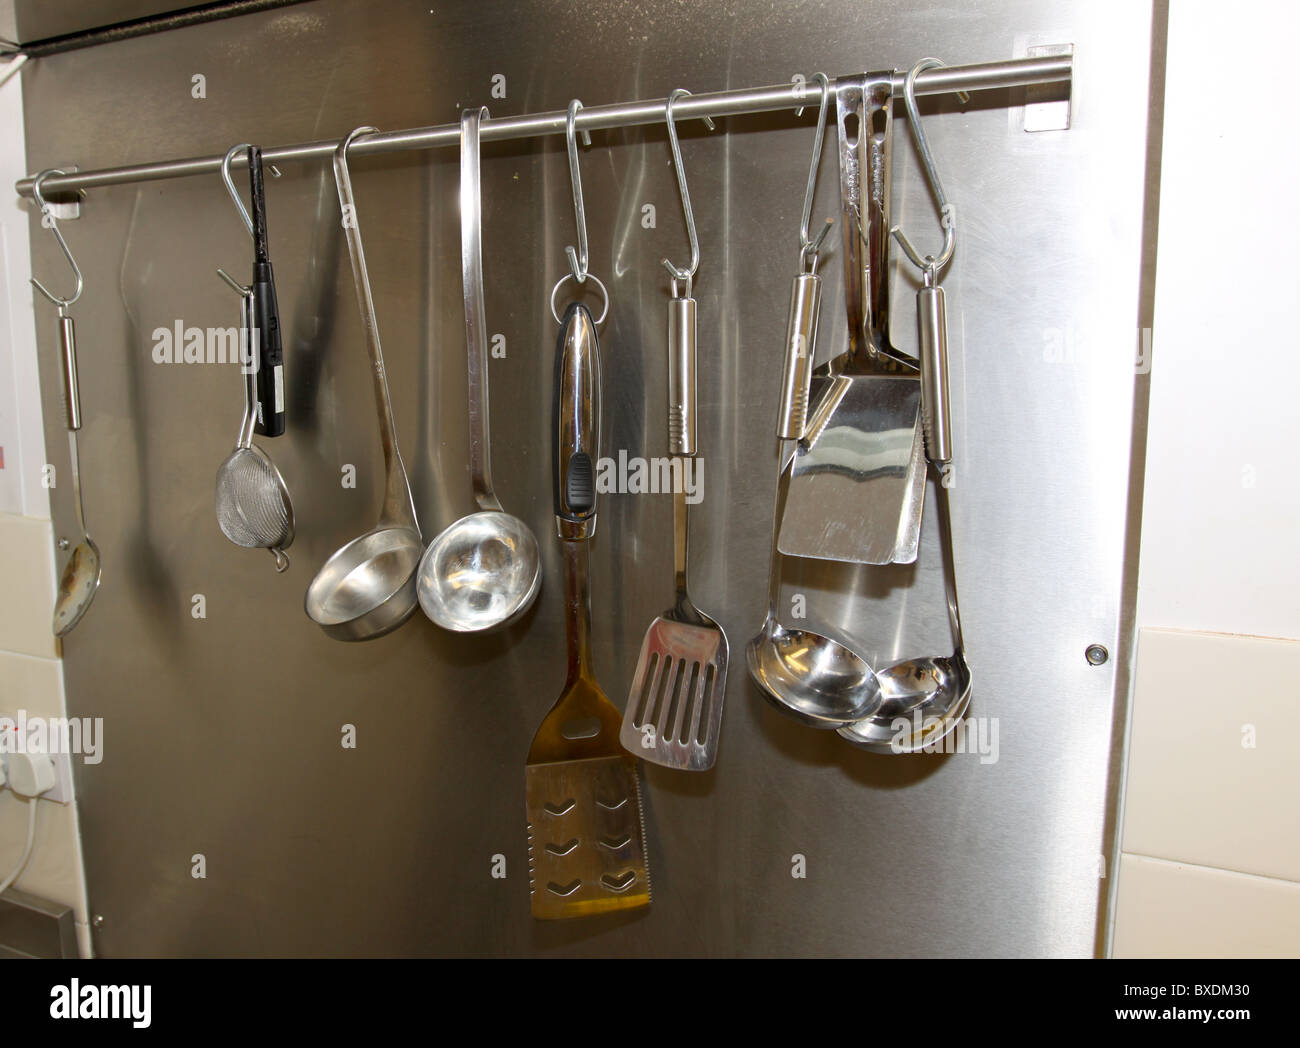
[{"x": 61, "y": 792}]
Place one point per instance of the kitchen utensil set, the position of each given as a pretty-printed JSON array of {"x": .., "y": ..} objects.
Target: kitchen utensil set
[{"x": 858, "y": 437}]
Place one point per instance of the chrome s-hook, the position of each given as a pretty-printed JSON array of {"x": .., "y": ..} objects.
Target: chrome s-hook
[
  {"x": 230, "y": 184},
  {"x": 928, "y": 264},
  {"x": 578, "y": 259},
  {"x": 48, "y": 219},
  {"x": 578, "y": 271},
  {"x": 808, "y": 247},
  {"x": 682, "y": 276}
]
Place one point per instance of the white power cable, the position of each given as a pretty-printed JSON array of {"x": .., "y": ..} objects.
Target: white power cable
[{"x": 27, "y": 852}]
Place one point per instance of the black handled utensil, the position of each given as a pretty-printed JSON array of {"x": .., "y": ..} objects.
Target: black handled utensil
[{"x": 266, "y": 312}]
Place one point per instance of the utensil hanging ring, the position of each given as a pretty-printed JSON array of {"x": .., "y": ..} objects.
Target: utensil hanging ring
[{"x": 604, "y": 294}]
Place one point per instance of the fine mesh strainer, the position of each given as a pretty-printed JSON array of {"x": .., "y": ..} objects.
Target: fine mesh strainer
[{"x": 253, "y": 507}]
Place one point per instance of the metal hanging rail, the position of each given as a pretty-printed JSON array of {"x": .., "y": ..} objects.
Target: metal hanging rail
[{"x": 1016, "y": 72}]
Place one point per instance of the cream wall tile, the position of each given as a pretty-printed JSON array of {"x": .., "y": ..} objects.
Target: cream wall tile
[
  {"x": 1212, "y": 774},
  {"x": 30, "y": 684},
  {"x": 27, "y": 584},
  {"x": 1168, "y": 909}
]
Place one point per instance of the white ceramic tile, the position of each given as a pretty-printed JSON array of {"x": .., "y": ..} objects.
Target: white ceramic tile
[
  {"x": 27, "y": 586},
  {"x": 1213, "y": 776},
  {"x": 31, "y": 684},
  {"x": 1168, "y": 909}
]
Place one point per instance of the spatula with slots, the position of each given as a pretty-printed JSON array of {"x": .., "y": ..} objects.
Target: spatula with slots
[{"x": 586, "y": 831}]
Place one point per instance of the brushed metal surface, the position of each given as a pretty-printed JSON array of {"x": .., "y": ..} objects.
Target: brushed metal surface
[{"x": 387, "y": 848}]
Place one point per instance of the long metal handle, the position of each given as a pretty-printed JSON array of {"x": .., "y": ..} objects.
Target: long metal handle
[
  {"x": 932, "y": 321},
  {"x": 1015, "y": 72},
  {"x": 576, "y": 424},
  {"x": 800, "y": 345},
  {"x": 398, "y": 508},
  {"x": 476, "y": 340},
  {"x": 864, "y": 125},
  {"x": 249, "y": 366},
  {"x": 71, "y": 388},
  {"x": 681, "y": 376}
]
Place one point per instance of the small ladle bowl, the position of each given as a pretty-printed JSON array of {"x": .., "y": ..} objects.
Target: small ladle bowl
[
  {"x": 367, "y": 588},
  {"x": 482, "y": 573},
  {"x": 930, "y": 694},
  {"x": 77, "y": 586},
  {"x": 816, "y": 680}
]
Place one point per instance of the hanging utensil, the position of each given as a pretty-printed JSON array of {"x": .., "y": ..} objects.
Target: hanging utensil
[
  {"x": 266, "y": 309},
  {"x": 367, "y": 588},
  {"x": 79, "y": 580},
  {"x": 856, "y": 483},
  {"x": 923, "y": 699},
  {"x": 484, "y": 571},
  {"x": 674, "y": 708},
  {"x": 252, "y": 501},
  {"x": 586, "y": 829}
]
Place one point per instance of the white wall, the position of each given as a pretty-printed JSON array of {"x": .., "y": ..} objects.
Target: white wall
[
  {"x": 1211, "y": 830},
  {"x": 31, "y": 671}
]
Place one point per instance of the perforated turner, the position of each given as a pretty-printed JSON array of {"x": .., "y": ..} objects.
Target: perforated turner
[
  {"x": 586, "y": 833},
  {"x": 674, "y": 708}
]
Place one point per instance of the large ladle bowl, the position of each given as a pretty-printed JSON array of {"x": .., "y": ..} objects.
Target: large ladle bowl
[
  {"x": 481, "y": 573},
  {"x": 811, "y": 677},
  {"x": 367, "y": 588}
]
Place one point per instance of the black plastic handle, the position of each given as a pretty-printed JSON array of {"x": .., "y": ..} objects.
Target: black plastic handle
[
  {"x": 266, "y": 312},
  {"x": 576, "y": 423}
]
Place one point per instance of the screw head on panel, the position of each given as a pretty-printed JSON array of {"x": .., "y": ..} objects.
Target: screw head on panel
[{"x": 1096, "y": 654}]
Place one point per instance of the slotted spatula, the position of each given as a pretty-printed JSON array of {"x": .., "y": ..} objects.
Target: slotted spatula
[
  {"x": 586, "y": 832},
  {"x": 674, "y": 708}
]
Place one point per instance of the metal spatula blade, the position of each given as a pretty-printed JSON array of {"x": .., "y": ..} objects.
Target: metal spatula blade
[
  {"x": 674, "y": 708},
  {"x": 586, "y": 838}
]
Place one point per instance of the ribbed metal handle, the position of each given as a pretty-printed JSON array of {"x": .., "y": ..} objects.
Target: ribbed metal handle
[
  {"x": 681, "y": 376},
  {"x": 71, "y": 389},
  {"x": 800, "y": 344},
  {"x": 932, "y": 318}
]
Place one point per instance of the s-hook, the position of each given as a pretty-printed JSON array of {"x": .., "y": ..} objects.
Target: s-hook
[
  {"x": 681, "y": 275},
  {"x": 578, "y": 271},
  {"x": 928, "y": 264},
  {"x": 51, "y": 223}
]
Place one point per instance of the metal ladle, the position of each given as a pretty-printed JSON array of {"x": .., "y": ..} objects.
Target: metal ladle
[
  {"x": 813, "y": 678},
  {"x": 367, "y": 588},
  {"x": 81, "y": 574},
  {"x": 483, "y": 572},
  {"x": 931, "y": 692}
]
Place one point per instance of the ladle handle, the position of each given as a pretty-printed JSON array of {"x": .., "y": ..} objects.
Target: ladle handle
[
  {"x": 398, "y": 507},
  {"x": 476, "y": 339},
  {"x": 71, "y": 388},
  {"x": 800, "y": 344},
  {"x": 576, "y": 423},
  {"x": 932, "y": 321}
]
